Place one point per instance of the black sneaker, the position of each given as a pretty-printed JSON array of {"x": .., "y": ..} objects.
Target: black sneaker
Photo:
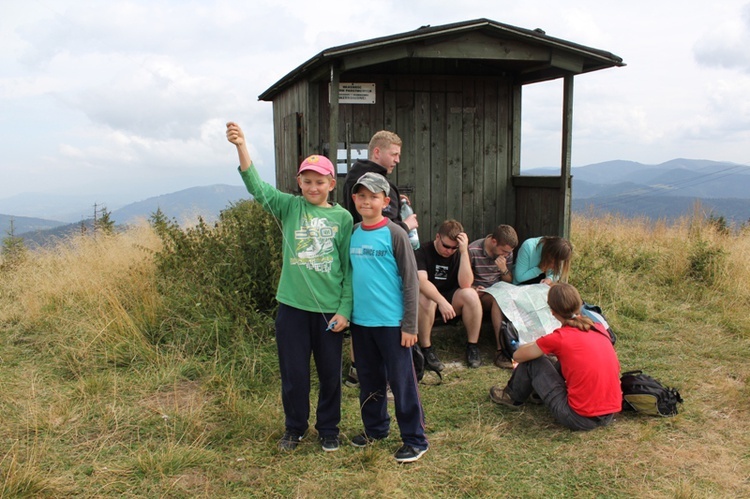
[
  {"x": 289, "y": 441},
  {"x": 472, "y": 355},
  {"x": 431, "y": 359},
  {"x": 408, "y": 454},
  {"x": 352, "y": 380},
  {"x": 363, "y": 440},
  {"x": 330, "y": 443}
]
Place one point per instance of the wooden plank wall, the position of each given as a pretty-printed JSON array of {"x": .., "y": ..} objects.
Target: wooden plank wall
[
  {"x": 537, "y": 206},
  {"x": 457, "y": 152},
  {"x": 289, "y": 109}
]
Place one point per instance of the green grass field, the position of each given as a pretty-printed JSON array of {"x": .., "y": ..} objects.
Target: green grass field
[{"x": 97, "y": 402}]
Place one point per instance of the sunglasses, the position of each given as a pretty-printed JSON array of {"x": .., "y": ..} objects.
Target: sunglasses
[{"x": 449, "y": 248}]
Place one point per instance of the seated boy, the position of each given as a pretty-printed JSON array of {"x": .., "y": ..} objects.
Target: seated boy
[
  {"x": 445, "y": 279},
  {"x": 384, "y": 321},
  {"x": 491, "y": 261}
]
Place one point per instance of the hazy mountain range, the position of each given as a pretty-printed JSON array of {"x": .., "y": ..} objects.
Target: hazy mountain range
[
  {"x": 665, "y": 191},
  {"x": 668, "y": 190}
]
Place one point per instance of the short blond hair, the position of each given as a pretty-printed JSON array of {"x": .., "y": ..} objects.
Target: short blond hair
[{"x": 382, "y": 140}]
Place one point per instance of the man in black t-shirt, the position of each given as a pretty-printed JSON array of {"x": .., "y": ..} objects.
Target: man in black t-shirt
[{"x": 445, "y": 279}]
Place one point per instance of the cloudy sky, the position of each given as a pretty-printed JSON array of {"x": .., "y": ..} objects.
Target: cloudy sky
[{"x": 127, "y": 99}]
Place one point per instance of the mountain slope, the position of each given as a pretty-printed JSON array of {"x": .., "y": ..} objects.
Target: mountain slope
[{"x": 184, "y": 206}]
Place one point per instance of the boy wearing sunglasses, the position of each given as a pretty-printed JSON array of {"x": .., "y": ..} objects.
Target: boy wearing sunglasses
[{"x": 445, "y": 287}]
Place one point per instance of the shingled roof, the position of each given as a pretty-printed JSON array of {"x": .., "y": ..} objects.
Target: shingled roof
[{"x": 480, "y": 47}]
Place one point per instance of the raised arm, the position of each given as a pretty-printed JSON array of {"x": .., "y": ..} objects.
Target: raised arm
[{"x": 236, "y": 137}]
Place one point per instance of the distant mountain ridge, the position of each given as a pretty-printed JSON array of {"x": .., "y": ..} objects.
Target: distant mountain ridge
[
  {"x": 668, "y": 190},
  {"x": 664, "y": 191},
  {"x": 183, "y": 206}
]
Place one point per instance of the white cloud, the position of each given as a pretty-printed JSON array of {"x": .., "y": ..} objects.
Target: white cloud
[
  {"x": 726, "y": 44},
  {"x": 133, "y": 95}
]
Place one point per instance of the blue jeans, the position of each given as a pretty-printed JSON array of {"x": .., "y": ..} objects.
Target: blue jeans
[
  {"x": 382, "y": 361},
  {"x": 543, "y": 376},
  {"x": 298, "y": 334}
]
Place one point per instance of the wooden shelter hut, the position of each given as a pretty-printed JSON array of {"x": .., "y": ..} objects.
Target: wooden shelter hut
[{"x": 453, "y": 94}]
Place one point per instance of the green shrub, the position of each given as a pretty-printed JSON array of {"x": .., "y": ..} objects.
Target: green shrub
[{"x": 220, "y": 281}]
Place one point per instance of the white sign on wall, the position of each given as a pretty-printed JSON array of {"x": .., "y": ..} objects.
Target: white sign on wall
[{"x": 356, "y": 93}]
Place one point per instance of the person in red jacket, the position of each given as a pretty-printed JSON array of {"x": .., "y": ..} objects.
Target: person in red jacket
[{"x": 583, "y": 391}]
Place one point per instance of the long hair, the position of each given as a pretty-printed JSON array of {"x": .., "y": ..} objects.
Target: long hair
[
  {"x": 566, "y": 302},
  {"x": 556, "y": 254}
]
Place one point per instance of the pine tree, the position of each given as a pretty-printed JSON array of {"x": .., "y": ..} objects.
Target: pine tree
[
  {"x": 104, "y": 222},
  {"x": 14, "y": 249}
]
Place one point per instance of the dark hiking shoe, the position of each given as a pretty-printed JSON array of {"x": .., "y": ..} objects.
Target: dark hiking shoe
[
  {"x": 502, "y": 361},
  {"x": 472, "y": 356},
  {"x": 500, "y": 396},
  {"x": 352, "y": 380},
  {"x": 534, "y": 398},
  {"x": 363, "y": 440},
  {"x": 289, "y": 441},
  {"x": 330, "y": 443},
  {"x": 408, "y": 454},
  {"x": 431, "y": 359}
]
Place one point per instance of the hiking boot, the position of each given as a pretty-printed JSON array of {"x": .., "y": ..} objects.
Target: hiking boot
[
  {"x": 352, "y": 380},
  {"x": 408, "y": 454},
  {"x": 330, "y": 443},
  {"x": 289, "y": 441},
  {"x": 534, "y": 398},
  {"x": 501, "y": 396},
  {"x": 502, "y": 361},
  {"x": 472, "y": 355},
  {"x": 431, "y": 360},
  {"x": 363, "y": 440}
]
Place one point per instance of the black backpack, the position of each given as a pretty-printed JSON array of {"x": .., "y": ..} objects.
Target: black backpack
[
  {"x": 594, "y": 312},
  {"x": 420, "y": 365},
  {"x": 642, "y": 393},
  {"x": 508, "y": 338}
]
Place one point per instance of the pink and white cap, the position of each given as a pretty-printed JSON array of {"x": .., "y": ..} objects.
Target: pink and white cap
[{"x": 318, "y": 164}]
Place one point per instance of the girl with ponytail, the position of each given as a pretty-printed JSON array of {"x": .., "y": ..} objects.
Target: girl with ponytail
[{"x": 582, "y": 387}]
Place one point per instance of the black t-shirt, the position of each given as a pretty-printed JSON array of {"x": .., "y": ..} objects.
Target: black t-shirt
[{"x": 442, "y": 272}]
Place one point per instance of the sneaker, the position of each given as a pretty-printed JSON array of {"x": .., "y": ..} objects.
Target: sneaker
[
  {"x": 330, "y": 443},
  {"x": 289, "y": 441},
  {"x": 431, "y": 359},
  {"x": 363, "y": 440},
  {"x": 472, "y": 356},
  {"x": 500, "y": 396},
  {"x": 502, "y": 361},
  {"x": 408, "y": 454},
  {"x": 352, "y": 380}
]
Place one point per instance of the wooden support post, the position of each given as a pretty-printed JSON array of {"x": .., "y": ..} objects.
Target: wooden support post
[
  {"x": 333, "y": 106},
  {"x": 565, "y": 178}
]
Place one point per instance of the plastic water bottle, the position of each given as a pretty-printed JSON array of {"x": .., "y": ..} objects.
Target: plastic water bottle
[{"x": 406, "y": 212}]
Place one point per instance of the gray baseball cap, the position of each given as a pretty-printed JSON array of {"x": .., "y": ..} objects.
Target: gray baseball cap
[{"x": 374, "y": 182}]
